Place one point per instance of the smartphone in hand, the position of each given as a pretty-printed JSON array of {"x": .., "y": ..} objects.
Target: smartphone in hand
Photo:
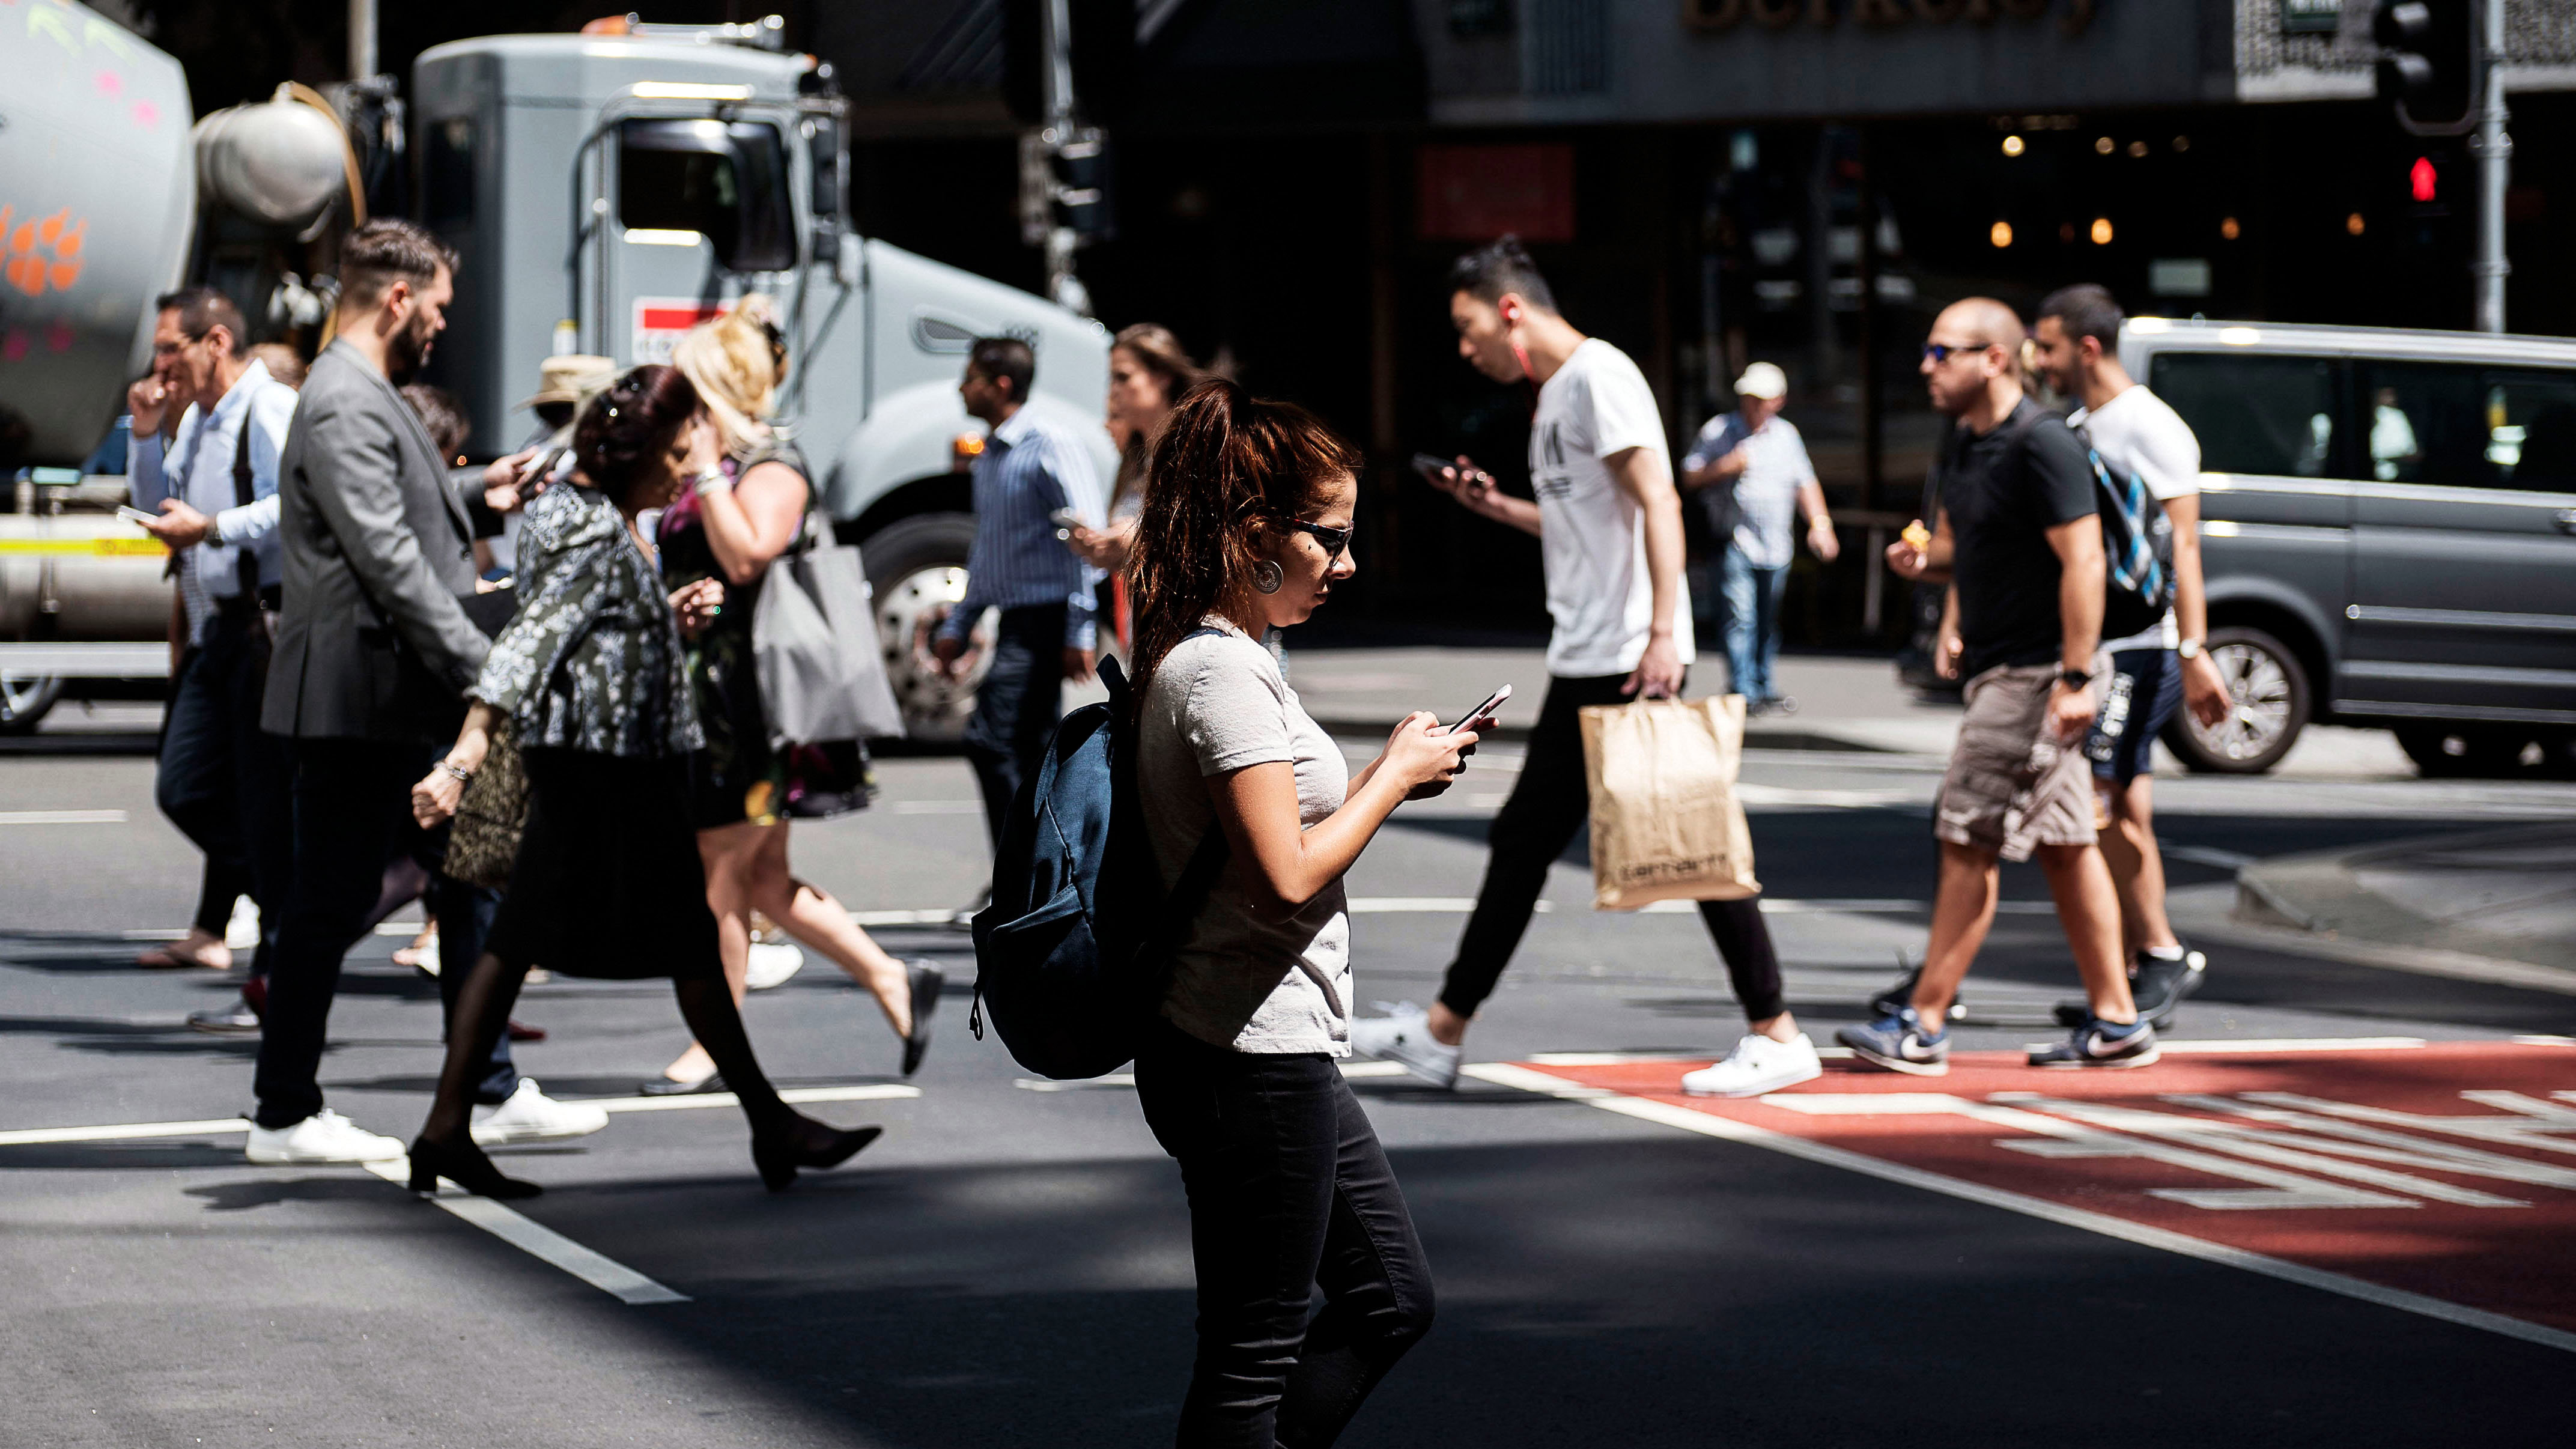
[{"x": 1492, "y": 702}]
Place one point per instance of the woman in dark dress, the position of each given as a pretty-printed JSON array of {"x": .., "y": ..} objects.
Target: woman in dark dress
[
  {"x": 722, "y": 535},
  {"x": 589, "y": 675}
]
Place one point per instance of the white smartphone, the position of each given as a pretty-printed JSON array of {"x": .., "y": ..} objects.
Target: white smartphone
[
  {"x": 1492, "y": 702},
  {"x": 136, "y": 515}
]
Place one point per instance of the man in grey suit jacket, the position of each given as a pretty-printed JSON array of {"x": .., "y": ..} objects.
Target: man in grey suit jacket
[{"x": 373, "y": 654}]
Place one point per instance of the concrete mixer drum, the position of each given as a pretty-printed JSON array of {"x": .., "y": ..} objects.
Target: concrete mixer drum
[{"x": 279, "y": 162}]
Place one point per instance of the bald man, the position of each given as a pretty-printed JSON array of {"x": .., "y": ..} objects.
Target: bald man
[{"x": 2020, "y": 545}]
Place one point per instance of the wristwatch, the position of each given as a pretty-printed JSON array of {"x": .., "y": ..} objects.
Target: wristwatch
[
  {"x": 2074, "y": 678},
  {"x": 2189, "y": 650}
]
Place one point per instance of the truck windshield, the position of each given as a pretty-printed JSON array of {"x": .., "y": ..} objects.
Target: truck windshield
[{"x": 726, "y": 181}]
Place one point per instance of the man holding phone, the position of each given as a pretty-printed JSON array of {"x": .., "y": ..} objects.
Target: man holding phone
[
  {"x": 2019, "y": 542},
  {"x": 1609, "y": 525},
  {"x": 210, "y": 496}
]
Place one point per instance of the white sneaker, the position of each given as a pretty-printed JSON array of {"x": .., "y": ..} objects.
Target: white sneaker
[
  {"x": 771, "y": 965},
  {"x": 326, "y": 1136},
  {"x": 241, "y": 933},
  {"x": 530, "y": 1115},
  {"x": 1403, "y": 1036},
  {"x": 1757, "y": 1065}
]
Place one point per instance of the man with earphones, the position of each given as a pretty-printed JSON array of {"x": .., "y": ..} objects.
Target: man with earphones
[{"x": 1609, "y": 525}]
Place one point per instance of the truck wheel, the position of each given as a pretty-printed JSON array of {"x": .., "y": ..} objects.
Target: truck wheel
[
  {"x": 2461, "y": 752},
  {"x": 24, "y": 699},
  {"x": 917, "y": 569},
  {"x": 2267, "y": 690}
]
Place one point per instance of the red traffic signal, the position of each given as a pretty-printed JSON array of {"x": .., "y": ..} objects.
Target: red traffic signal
[{"x": 2421, "y": 178}]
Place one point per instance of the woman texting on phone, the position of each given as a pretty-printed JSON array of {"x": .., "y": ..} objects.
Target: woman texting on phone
[
  {"x": 589, "y": 674},
  {"x": 1246, "y": 527}
]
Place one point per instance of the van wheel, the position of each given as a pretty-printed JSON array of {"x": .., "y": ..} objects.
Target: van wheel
[
  {"x": 2465, "y": 752},
  {"x": 917, "y": 570},
  {"x": 25, "y": 699},
  {"x": 2267, "y": 690}
]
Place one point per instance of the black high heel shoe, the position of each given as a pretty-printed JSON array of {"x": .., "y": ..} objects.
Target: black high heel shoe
[
  {"x": 804, "y": 1142},
  {"x": 927, "y": 981},
  {"x": 467, "y": 1167}
]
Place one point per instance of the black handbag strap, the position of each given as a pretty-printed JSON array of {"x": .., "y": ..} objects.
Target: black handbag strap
[{"x": 245, "y": 562}]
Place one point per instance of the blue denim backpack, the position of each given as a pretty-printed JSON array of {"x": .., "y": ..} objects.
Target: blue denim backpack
[{"x": 1073, "y": 954}]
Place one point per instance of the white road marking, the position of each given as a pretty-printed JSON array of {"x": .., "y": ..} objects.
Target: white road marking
[
  {"x": 1128, "y": 1079},
  {"x": 935, "y": 807},
  {"x": 1461, "y": 905},
  {"x": 538, "y": 1241},
  {"x": 122, "y": 1130},
  {"x": 62, "y": 817},
  {"x": 1710, "y": 1125},
  {"x": 877, "y": 1092}
]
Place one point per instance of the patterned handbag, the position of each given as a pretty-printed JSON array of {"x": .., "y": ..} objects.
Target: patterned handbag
[{"x": 483, "y": 843}]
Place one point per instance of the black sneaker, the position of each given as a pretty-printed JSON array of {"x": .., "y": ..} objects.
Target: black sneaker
[
  {"x": 2099, "y": 1043},
  {"x": 1897, "y": 1042},
  {"x": 2158, "y": 987},
  {"x": 1901, "y": 996}
]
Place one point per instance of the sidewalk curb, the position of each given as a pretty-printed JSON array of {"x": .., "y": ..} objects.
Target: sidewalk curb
[{"x": 2203, "y": 913}]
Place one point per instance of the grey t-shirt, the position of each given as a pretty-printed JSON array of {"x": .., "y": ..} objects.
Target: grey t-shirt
[{"x": 1218, "y": 703}]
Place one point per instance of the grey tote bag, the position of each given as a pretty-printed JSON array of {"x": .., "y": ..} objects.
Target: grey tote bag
[{"x": 814, "y": 643}]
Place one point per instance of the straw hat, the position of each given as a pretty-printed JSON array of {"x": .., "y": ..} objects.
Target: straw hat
[{"x": 570, "y": 378}]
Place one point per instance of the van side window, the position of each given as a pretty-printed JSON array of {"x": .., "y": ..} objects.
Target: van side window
[
  {"x": 727, "y": 181},
  {"x": 2253, "y": 412},
  {"x": 2469, "y": 425}
]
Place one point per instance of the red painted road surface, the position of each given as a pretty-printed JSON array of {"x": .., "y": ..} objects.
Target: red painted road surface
[{"x": 2446, "y": 1170}]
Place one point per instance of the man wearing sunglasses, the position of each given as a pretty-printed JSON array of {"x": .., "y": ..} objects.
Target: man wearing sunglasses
[{"x": 2017, "y": 539}]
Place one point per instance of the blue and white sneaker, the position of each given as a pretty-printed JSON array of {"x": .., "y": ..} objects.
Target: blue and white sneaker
[
  {"x": 1897, "y": 1042},
  {"x": 2099, "y": 1043}
]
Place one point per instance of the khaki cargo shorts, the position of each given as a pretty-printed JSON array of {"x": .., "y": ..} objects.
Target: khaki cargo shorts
[{"x": 2011, "y": 786}]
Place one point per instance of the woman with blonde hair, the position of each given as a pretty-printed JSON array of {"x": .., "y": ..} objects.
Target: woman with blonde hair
[{"x": 728, "y": 528}]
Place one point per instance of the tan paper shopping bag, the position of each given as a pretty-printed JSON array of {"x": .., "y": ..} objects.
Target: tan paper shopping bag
[{"x": 1666, "y": 824}]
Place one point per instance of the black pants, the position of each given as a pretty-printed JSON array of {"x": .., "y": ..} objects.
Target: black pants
[
  {"x": 352, "y": 813},
  {"x": 1552, "y": 802},
  {"x": 1288, "y": 1190},
  {"x": 222, "y": 781},
  {"x": 1017, "y": 706}
]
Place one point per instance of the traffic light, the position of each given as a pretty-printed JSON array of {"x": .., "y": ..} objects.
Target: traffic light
[
  {"x": 1064, "y": 182},
  {"x": 2429, "y": 70}
]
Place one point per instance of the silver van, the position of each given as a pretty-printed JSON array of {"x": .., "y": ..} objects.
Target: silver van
[{"x": 2390, "y": 526}]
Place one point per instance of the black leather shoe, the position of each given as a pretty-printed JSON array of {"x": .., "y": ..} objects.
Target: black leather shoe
[
  {"x": 803, "y": 1142},
  {"x": 665, "y": 1087},
  {"x": 465, "y": 1166},
  {"x": 927, "y": 981}
]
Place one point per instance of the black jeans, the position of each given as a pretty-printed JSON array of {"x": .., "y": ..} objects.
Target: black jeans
[
  {"x": 1552, "y": 801},
  {"x": 223, "y": 782},
  {"x": 1288, "y": 1190},
  {"x": 352, "y": 814},
  {"x": 1017, "y": 706}
]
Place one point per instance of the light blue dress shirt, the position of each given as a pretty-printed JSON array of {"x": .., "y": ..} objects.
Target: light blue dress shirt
[{"x": 198, "y": 470}]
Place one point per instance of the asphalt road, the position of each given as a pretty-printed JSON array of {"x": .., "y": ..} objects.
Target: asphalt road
[{"x": 1009, "y": 1265}]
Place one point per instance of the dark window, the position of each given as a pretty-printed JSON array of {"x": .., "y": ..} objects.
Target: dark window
[
  {"x": 2468, "y": 425},
  {"x": 447, "y": 175},
  {"x": 2253, "y": 413},
  {"x": 724, "y": 180}
]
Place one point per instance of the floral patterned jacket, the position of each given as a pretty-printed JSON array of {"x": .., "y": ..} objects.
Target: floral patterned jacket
[{"x": 591, "y": 660}]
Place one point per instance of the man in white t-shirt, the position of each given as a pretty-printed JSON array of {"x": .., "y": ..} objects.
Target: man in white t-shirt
[
  {"x": 1609, "y": 525},
  {"x": 2152, "y": 672}
]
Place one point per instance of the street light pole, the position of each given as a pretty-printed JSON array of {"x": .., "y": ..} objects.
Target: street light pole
[
  {"x": 2494, "y": 150},
  {"x": 1056, "y": 82},
  {"x": 362, "y": 39}
]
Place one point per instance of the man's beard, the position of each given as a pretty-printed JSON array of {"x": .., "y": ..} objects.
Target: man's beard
[{"x": 407, "y": 351}]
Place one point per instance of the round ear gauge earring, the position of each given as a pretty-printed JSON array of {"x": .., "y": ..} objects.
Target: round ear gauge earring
[{"x": 1266, "y": 577}]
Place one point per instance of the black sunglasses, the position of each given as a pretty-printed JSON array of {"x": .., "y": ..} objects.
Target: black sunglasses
[
  {"x": 1942, "y": 351},
  {"x": 1334, "y": 540}
]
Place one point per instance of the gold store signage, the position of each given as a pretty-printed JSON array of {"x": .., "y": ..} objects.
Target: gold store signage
[{"x": 2074, "y": 15}]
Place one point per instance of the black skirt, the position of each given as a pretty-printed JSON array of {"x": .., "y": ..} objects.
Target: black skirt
[{"x": 608, "y": 881}]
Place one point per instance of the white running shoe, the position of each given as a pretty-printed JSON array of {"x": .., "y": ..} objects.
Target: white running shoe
[
  {"x": 1403, "y": 1036},
  {"x": 241, "y": 933},
  {"x": 531, "y": 1115},
  {"x": 1757, "y": 1065},
  {"x": 326, "y": 1136},
  {"x": 771, "y": 965}
]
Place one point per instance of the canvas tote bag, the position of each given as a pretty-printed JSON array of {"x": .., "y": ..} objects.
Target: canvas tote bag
[
  {"x": 1666, "y": 824},
  {"x": 814, "y": 646}
]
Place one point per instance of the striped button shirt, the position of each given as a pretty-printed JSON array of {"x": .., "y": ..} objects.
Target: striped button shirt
[{"x": 1028, "y": 470}]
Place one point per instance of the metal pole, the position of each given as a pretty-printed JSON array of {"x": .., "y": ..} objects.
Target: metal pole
[
  {"x": 1056, "y": 81},
  {"x": 2495, "y": 166},
  {"x": 362, "y": 39}
]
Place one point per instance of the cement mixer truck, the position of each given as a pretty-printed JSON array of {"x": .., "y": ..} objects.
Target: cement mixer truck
[{"x": 605, "y": 192}]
